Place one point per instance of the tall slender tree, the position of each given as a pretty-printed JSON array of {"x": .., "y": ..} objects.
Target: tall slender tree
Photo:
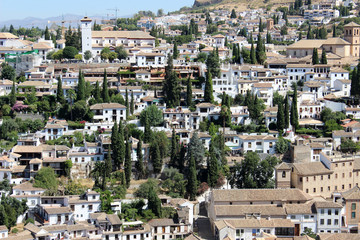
[
  {"x": 174, "y": 149},
  {"x": 59, "y": 92},
  {"x": 147, "y": 129},
  {"x": 12, "y": 96},
  {"x": 294, "y": 116},
  {"x": 132, "y": 106},
  {"x": 105, "y": 91},
  {"x": 213, "y": 167},
  {"x": 208, "y": 92},
  {"x": 315, "y": 57},
  {"x": 128, "y": 162},
  {"x": 122, "y": 146},
  {"x": 280, "y": 123},
  {"x": 260, "y": 50},
  {"x": 127, "y": 104},
  {"x": 323, "y": 57},
  {"x": 115, "y": 145},
  {"x": 188, "y": 92},
  {"x": 81, "y": 87},
  {"x": 156, "y": 158},
  {"x": 171, "y": 88},
  {"x": 97, "y": 93},
  {"x": 192, "y": 179},
  {"x": 47, "y": 33},
  {"x": 334, "y": 30},
  {"x": 175, "y": 51},
  {"x": 286, "y": 112},
  {"x": 139, "y": 165},
  {"x": 252, "y": 54},
  {"x": 154, "y": 203}
]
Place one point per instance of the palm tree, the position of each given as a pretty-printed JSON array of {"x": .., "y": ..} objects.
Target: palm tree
[{"x": 72, "y": 95}]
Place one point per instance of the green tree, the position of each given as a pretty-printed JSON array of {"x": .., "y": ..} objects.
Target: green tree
[
  {"x": 213, "y": 167},
  {"x": 69, "y": 52},
  {"x": 282, "y": 146},
  {"x": 59, "y": 92},
  {"x": 31, "y": 97},
  {"x": 334, "y": 30},
  {"x": 310, "y": 34},
  {"x": 68, "y": 165},
  {"x": 132, "y": 105},
  {"x": 233, "y": 14},
  {"x": 315, "y": 57},
  {"x": 81, "y": 87},
  {"x": 127, "y": 104},
  {"x": 323, "y": 57},
  {"x": 261, "y": 26},
  {"x": 213, "y": 63},
  {"x": 260, "y": 50},
  {"x": 308, "y": 231},
  {"x": 349, "y": 146},
  {"x": 154, "y": 115},
  {"x": 253, "y": 173},
  {"x": 174, "y": 149},
  {"x": 105, "y": 91},
  {"x": 294, "y": 115},
  {"x": 47, "y": 34},
  {"x": 280, "y": 123},
  {"x": 154, "y": 203},
  {"x": 355, "y": 84},
  {"x": 12, "y": 96},
  {"x": 147, "y": 129},
  {"x": 139, "y": 165},
  {"x": 121, "y": 52},
  {"x": 7, "y": 72},
  {"x": 46, "y": 178},
  {"x": 115, "y": 146},
  {"x": 192, "y": 180},
  {"x": 87, "y": 55},
  {"x": 208, "y": 92},
  {"x": 252, "y": 54},
  {"x": 97, "y": 93},
  {"x": 128, "y": 165},
  {"x": 171, "y": 88},
  {"x": 122, "y": 147},
  {"x": 189, "y": 93},
  {"x": 286, "y": 112},
  {"x": 156, "y": 157},
  {"x": 175, "y": 51}
]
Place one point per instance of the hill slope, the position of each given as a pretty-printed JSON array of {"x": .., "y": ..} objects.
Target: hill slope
[{"x": 240, "y": 5}]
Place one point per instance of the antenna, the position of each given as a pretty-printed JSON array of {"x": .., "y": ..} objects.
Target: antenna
[{"x": 116, "y": 10}]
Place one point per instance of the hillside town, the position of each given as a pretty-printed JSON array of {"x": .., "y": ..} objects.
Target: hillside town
[{"x": 204, "y": 123}]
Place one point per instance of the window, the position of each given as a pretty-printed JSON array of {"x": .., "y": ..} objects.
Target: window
[
  {"x": 353, "y": 206},
  {"x": 336, "y": 222},
  {"x": 321, "y": 221},
  {"x": 322, "y": 211},
  {"x": 329, "y": 222},
  {"x": 329, "y": 211},
  {"x": 284, "y": 174},
  {"x": 353, "y": 215}
]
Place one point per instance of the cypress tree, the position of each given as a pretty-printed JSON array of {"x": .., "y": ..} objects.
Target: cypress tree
[
  {"x": 47, "y": 33},
  {"x": 192, "y": 180},
  {"x": 188, "y": 92},
  {"x": 174, "y": 149},
  {"x": 252, "y": 54},
  {"x": 208, "y": 93},
  {"x": 121, "y": 142},
  {"x": 154, "y": 203},
  {"x": 310, "y": 34},
  {"x": 115, "y": 145},
  {"x": 233, "y": 14},
  {"x": 300, "y": 35},
  {"x": 105, "y": 91},
  {"x": 175, "y": 50},
  {"x": 323, "y": 57},
  {"x": 81, "y": 87},
  {"x": 355, "y": 82},
  {"x": 171, "y": 88},
  {"x": 261, "y": 27},
  {"x": 132, "y": 103},
  {"x": 286, "y": 112},
  {"x": 294, "y": 116},
  {"x": 156, "y": 158},
  {"x": 127, "y": 104},
  {"x": 315, "y": 57},
  {"x": 12, "y": 97},
  {"x": 139, "y": 165},
  {"x": 268, "y": 37},
  {"x": 97, "y": 93},
  {"x": 280, "y": 123},
  {"x": 213, "y": 167},
  {"x": 128, "y": 163},
  {"x": 59, "y": 92},
  {"x": 147, "y": 129},
  {"x": 260, "y": 50},
  {"x": 334, "y": 30}
]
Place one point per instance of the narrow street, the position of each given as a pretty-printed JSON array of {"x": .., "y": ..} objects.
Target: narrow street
[{"x": 203, "y": 224}]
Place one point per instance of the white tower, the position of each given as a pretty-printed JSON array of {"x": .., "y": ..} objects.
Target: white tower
[{"x": 86, "y": 34}]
